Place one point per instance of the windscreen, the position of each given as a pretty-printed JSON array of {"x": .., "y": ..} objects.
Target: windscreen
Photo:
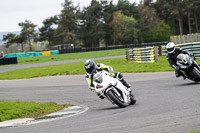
[
  {"x": 182, "y": 58},
  {"x": 98, "y": 77}
]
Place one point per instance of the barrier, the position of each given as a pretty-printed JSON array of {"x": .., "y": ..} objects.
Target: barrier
[
  {"x": 76, "y": 50},
  {"x": 7, "y": 61},
  {"x": 46, "y": 53},
  {"x": 180, "y": 39},
  {"x": 163, "y": 51},
  {"x": 142, "y": 55},
  {"x": 193, "y": 47},
  {"x": 31, "y": 54},
  {"x": 53, "y": 52}
]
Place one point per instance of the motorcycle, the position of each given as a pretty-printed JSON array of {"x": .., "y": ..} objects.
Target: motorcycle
[
  {"x": 112, "y": 89},
  {"x": 188, "y": 67}
]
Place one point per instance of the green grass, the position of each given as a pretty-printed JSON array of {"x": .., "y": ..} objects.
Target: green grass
[
  {"x": 70, "y": 56},
  {"x": 21, "y": 109},
  {"x": 119, "y": 65}
]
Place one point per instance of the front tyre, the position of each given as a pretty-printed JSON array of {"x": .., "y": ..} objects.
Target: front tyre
[
  {"x": 195, "y": 73},
  {"x": 116, "y": 99}
]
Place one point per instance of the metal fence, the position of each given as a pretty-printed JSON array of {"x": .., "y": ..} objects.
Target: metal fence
[
  {"x": 193, "y": 47},
  {"x": 142, "y": 55},
  {"x": 7, "y": 61},
  {"x": 76, "y": 50},
  {"x": 163, "y": 51},
  {"x": 180, "y": 39}
]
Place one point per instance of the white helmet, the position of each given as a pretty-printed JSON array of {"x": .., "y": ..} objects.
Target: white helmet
[{"x": 170, "y": 47}]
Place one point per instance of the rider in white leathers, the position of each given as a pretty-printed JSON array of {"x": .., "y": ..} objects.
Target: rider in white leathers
[{"x": 91, "y": 68}]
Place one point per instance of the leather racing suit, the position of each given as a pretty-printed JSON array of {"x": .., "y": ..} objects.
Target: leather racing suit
[
  {"x": 172, "y": 59},
  {"x": 100, "y": 67}
]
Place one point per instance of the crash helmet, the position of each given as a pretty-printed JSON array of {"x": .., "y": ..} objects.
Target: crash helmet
[
  {"x": 2, "y": 54},
  {"x": 90, "y": 66},
  {"x": 170, "y": 47}
]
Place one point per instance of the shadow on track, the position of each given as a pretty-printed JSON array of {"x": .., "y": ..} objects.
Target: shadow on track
[
  {"x": 114, "y": 108},
  {"x": 109, "y": 108},
  {"x": 189, "y": 84}
]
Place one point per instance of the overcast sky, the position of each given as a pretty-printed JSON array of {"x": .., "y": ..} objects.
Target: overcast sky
[{"x": 13, "y": 12}]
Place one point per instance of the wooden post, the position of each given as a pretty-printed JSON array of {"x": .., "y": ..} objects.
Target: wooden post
[
  {"x": 172, "y": 38},
  {"x": 156, "y": 53},
  {"x": 128, "y": 58},
  {"x": 184, "y": 39},
  {"x": 197, "y": 37},
  {"x": 189, "y": 40},
  {"x": 192, "y": 37},
  {"x": 160, "y": 50}
]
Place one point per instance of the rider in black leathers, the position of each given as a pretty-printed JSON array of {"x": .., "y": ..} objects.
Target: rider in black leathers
[
  {"x": 172, "y": 54},
  {"x": 172, "y": 57}
]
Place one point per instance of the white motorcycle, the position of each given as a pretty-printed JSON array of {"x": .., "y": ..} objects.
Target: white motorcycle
[{"x": 112, "y": 89}]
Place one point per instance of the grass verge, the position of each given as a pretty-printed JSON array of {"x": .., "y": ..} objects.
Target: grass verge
[
  {"x": 70, "y": 56},
  {"x": 21, "y": 109},
  {"x": 119, "y": 64}
]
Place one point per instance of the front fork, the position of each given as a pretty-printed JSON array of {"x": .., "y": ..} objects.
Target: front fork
[{"x": 125, "y": 92}]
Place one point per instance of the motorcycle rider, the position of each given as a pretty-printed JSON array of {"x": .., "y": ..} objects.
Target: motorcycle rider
[
  {"x": 92, "y": 68},
  {"x": 172, "y": 54},
  {"x": 2, "y": 55}
]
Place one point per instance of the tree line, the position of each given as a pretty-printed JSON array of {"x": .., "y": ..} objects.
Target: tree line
[{"x": 105, "y": 23}]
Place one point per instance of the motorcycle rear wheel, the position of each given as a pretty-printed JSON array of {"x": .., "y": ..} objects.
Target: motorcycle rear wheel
[
  {"x": 195, "y": 73},
  {"x": 116, "y": 99},
  {"x": 133, "y": 100}
]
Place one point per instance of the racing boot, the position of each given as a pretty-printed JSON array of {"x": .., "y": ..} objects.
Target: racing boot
[
  {"x": 184, "y": 77},
  {"x": 100, "y": 96},
  {"x": 177, "y": 72}
]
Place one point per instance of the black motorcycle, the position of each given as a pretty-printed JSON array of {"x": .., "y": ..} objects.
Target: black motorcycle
[{"x": 188, "y": 67}]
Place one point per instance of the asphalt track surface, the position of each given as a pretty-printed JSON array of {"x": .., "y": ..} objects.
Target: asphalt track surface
[{"x": 165, "y": 104}]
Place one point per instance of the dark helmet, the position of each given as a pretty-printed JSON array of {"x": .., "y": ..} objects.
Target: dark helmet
[{"x": 90, "y": 66}]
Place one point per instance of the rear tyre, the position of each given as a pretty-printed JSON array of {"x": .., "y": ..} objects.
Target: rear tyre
[
  {"x": 133, "y": 100},
  {"x": 195, "y": 73},
  {"x": 117, "y": 100}
]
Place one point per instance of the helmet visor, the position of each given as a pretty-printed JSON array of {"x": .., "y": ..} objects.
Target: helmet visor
[
  {"x": 89, "y": 70},
  {"x": 170, "y": 50}
]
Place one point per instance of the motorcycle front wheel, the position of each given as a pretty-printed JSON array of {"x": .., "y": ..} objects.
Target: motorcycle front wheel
[
  {"x": 116, "y": 99},
  {"x": 195, "y": 73}
]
